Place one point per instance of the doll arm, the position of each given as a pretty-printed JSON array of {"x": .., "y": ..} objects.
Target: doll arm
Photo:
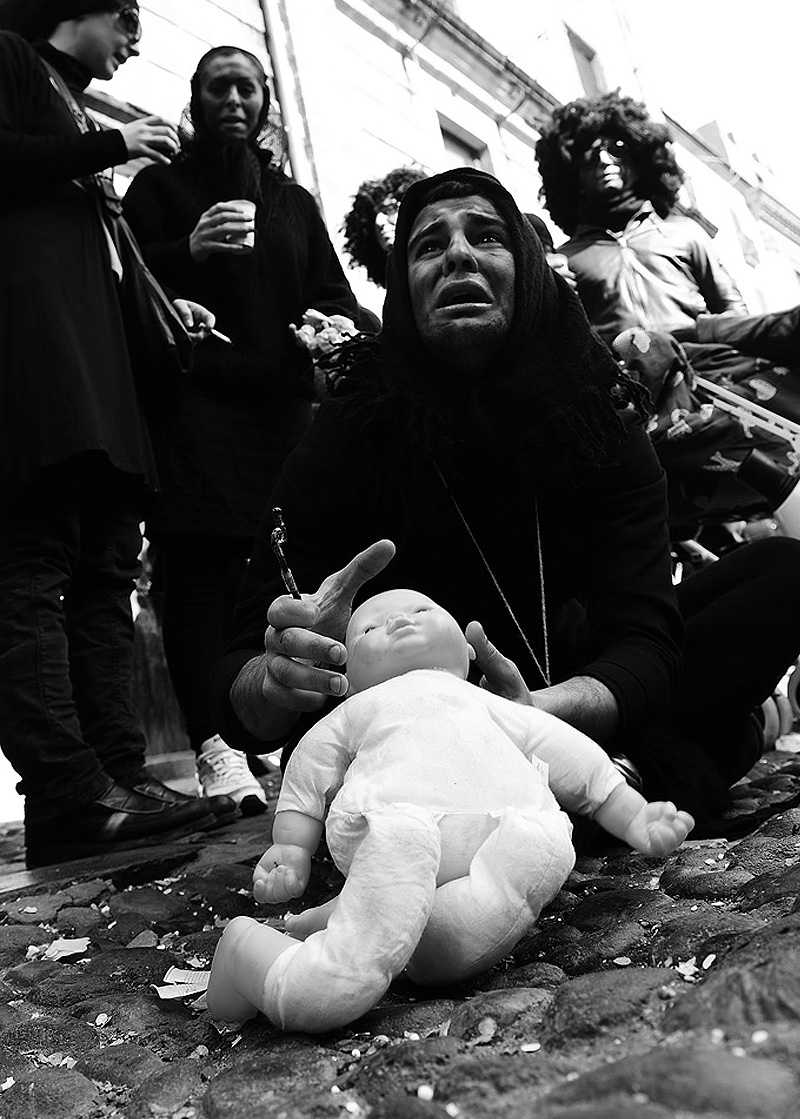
[
  {"x": 652, "y": 827},
  {"x": 284, "y": 869}
]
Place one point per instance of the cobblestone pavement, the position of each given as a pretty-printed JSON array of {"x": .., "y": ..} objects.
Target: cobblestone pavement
[{"x": 651, "y": 988}]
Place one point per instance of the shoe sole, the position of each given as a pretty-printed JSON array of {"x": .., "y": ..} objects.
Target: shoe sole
[
  {"x": 38, "y": 857},
  {"x": 252, "y": 805}
]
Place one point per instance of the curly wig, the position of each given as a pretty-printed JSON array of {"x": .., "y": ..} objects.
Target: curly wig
[
  {"x": 360, "y": 242},
  {"x": 576, "y": 125}
]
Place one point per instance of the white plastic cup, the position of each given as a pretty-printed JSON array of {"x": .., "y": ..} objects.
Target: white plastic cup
[{"x": 247, "y": 209}]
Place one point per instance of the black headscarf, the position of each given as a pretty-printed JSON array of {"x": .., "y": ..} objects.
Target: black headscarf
[
  {"x": 553, "y": 394},
  {"x": 232, "y": 168},
  {"x": 38, "y": 19}
]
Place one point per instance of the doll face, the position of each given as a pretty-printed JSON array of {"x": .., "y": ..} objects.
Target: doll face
[{"x": 398, "y": 631}]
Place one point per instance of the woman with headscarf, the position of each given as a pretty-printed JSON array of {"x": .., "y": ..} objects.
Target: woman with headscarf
[
  {"x": 76, "y": 464},
  {"x": 248, "y": 403},
  {"x": 493, "y": 448}
]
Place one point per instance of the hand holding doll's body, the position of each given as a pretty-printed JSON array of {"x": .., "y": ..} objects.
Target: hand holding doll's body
[{"x": 439, "y": 814}]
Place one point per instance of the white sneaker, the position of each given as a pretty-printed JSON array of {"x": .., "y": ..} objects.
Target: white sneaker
[{"x": 222, "y": 771}]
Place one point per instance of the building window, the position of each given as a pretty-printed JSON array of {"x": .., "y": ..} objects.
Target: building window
[
  {"x": 589, "y": 69},
  {"x": 463, "y": 149}
]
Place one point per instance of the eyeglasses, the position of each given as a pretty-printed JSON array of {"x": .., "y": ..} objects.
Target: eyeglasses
[
  {"x": 128, "y": 19},
  {"x": 617, "y": 148}
]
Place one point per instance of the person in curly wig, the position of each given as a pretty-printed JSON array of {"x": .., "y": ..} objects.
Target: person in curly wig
[
  {"x": 571, "y": 139},
  {"x": 368, "y": 227},
  {"x": 610, "y": 180}
]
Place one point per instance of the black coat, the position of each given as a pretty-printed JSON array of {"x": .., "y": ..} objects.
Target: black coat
[
  {"x": 65, "y": 380},
  {"x": 247, "y": 404},
  {"x": 611, "y": 610}
]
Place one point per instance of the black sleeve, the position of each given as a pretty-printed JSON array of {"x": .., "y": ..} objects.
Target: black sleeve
[
  {"x": 321, "y": 539},
  {"x": 635, "y": 628},
  {"x": 145, "y": 207},
  {"x": 326, "y": 288},
  {"x": 28, "y": 160}
]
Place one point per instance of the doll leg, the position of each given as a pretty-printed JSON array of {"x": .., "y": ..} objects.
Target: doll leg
[
  {"x": 339, "y": 973},
  {"x": 476, "y": 920},
  {"x": 302, "y": 925},
  {"x": 244, "y": 954}
]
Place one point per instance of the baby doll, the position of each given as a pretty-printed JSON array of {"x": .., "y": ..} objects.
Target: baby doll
[{"x": 442, "y": 804}]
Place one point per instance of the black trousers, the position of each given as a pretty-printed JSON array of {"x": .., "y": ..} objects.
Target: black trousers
[
  {"x": 742, "y": 634},
  {"x": 198, "y": 578},
  {"x": 69, "y": 548}
]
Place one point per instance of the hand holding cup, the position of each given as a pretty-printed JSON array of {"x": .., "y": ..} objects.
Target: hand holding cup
[{"x": 226, "y": 227}]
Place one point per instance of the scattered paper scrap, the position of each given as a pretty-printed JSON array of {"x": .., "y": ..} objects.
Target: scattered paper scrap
[
  {"x": 688, "y": 969},
  {"x": 63, "y": 947},
  {"x": 179, "y": 982}
]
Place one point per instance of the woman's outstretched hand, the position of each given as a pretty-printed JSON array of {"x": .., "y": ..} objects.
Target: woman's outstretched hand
[{"x": 304, "y": 650}]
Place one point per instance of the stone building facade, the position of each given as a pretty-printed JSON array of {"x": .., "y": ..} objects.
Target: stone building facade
[{"x": 367, "y": 85}]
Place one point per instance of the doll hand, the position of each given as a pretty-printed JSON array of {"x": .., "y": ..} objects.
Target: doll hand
[
  {"x": 658, "y": 828},
  {"x": 282, "y": 873}
]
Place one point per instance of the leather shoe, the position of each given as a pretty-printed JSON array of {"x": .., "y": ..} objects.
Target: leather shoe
[
  {"x": 223, "y": 808},
  {"x": 117, "y": 818}
]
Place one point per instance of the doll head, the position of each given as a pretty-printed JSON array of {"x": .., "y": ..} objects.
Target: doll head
[{"x": 400, "y": 630}]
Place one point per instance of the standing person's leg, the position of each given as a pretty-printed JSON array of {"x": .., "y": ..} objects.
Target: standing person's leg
[
  {"x": 99, "y": 622},
  {"x": 100, "y": 629},
  {"x": 72, "y": 807},
  {"x": 39, "y": 727},
  {"x": 201, "y": 578}
]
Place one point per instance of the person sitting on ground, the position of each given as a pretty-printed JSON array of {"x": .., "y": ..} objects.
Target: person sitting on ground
[
  {"x": 442, "y": 804},
  {"x": 489, "y": 447}
]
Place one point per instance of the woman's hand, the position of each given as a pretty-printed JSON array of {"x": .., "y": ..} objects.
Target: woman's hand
[
  {"x": 500, "y": 675},
  {"x": 150, "y": 138},
  {"x": 221, "y": 229},
  {"x": 303, "y": 646},
  {"x": 197, "y": 319},
  {"x": 319, "y": 333}
]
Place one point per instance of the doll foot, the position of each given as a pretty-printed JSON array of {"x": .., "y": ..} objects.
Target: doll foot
[
  {"x": 302, "y": 925},
  {"x": 245, "y": 953}
]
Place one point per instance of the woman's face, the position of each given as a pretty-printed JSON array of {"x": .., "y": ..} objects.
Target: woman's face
[
  {"x": 231, "y": 97},
  {"x": 106, "y": 40},
  {"x": 461, "y": 279}
]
